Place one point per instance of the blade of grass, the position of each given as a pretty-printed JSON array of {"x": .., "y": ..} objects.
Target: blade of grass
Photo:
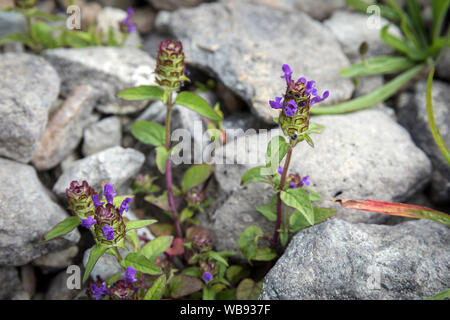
[
  {"x": 377, "y": 96},
  {"x": 431, "y": 121},
  {"x": 385, "y": 11},
  {"x": 417, "y": 21},
  {"x": 440, "y": 8},
  {"x": 405, "y": 23},
  {"x": 378, "y": 65},
  {"x": 401, "y": 45}
]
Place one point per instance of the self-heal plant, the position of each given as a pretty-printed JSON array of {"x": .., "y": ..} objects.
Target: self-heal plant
[{"x": 291, "y": 190}]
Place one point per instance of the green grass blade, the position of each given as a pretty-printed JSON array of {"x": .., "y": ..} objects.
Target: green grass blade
[
  {"x": 385, "y": 11},
  {"x": 372, "y": 98},
  {"x": 440, "y": 296},
  {"x": 440, "y": 8},
  {"x": 401, "y": 45},
  {"x": 378, "y": 65},
  {"x": 417, "y": 21},
  {"x": 431, "y": 121},
  {"x": 405, "y": 22}
]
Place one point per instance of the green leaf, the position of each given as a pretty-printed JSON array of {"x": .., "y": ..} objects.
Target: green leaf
[
  {"x": 217, "y": 257},
  {"x": 154, "y": 248},
  {"x": 264, "y": 254},
  {"x": 432, "y": 122},
  {"x": 371, "y": 99},
  {"x": 197, "y": 104},
  {"x": 142, "y": 93},
  {"x": 192, "y": 271},
  {"x": 401, "y": 45},
  {"x": 236, "y": 273},
  {"x": 385, "y": 11},
  {"x": 297, "y": 220},
  {"x": 308, "y": 139},
  {"x": 117, "y": 201},
  {"x": 17, "y": 37},
  {"x": 248, "y": 290},
  {"x": 162, "y": 229},
  {"x": 208, "y": 293},
  {"x": 315, "y": 128},
  {"x": 34, "y": 13},
  {"x": 269, "y": 210},
  {"x": 255, "y": 175},
  {"x": 157, "y": 289},
  {"x": 113, "y": 279},
  {"x": 182, "y": 285},
  {"x": 228, "y": 294},
  {"x": 161, "y": 157},
  {"x": 95, "y": 254},
  {"x": 196, "y": 175},
  {"x": 133, "y": 238},
  {"x": 41, "y": 33},
  {"x": 276, "y": 150},
  {"x": 248, "y": 241},
  {"x": 187, "y": 213},
  {"x": 137, "y": 224},
  {"x": 416, "y": 20},
  {"x": 313, "y": 196},
  {"x": 378, "y": 65},
  {"x": 149, "y": 132},
  {"x": 298, "y": 198},
  {"x": 440, "y": 8},
  {"x": 405, "y": 23},
  {"x": 140, "y": 263},
  {"x": 63, "y": 228},
  {"x": 441, "y": 295}
]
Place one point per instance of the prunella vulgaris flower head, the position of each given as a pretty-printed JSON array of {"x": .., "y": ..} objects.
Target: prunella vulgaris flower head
[{"x": 170, "y": 67}]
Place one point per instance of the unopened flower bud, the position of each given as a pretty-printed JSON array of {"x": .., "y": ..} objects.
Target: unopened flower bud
[
  {"x": 170, "y": 67},
  {"x": 80, "y": 199}
]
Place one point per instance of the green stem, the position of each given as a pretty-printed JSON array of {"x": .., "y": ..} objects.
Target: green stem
[
  {"x": 117, "y": 255},
  {"x": 433, "y": 126}
]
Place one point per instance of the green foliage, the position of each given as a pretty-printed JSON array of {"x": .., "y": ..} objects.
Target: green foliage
[
  {"x": 196, "y": 175},
  {"x": 155, "y": 247},
  {"x": 95, "y": 254},
  {"x": 137, "y": 224},
  {"x": 248, "y": 245},
  {"x": 63, "y": 228},
  {"x": 298, "y": 198},
  {"x": 441, "y": 295},
  {"x": 157, "y": 289},
  {"x": 149, "y": 132},
  {"x": 418, "y": 46},
  {"x": 142, "y": 93},
  {"x": 198, "y": 104},
  {"x": 183, "y": 285},
  {"x": 140, "y": 263},
  {"x": 248, "y": 290}
]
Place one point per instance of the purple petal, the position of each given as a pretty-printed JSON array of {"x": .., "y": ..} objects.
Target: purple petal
[
  {"x": 88, "y": 222},
  {"x": 109, "y": 193},
  {"x": 125, "y": 205},
  {"x": 130, "y": 275},
  {"x": 97, "y": 202}
]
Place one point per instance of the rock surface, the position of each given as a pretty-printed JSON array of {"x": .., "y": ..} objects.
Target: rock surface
[
  {"x": 340, "y": 260},
  {"x": 27, "y": 213},
  {"x": 412, "y": 114},
  {"x": 102, "y": 135},
  {"x": 353, "y": 28},
  {"x": 11, "y": 22},
  {"x": 28, "y": 87},
  {"x": 11, "y": 284},
  {"x": 107, "y": 69},
  {"x": 443, "y": 68},
  {"x": 363, "y": 155},
  {"x": 116, "y": 166},
  {"x": 174, "y": 4},
  {"x": 65, "y": 128},
  {"x": 58, "y": 259},
  {"x": 245, "y": 45},
  {"x": 58, "y": 289}
]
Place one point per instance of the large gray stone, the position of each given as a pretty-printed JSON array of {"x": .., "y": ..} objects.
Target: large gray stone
[
  {"x": 362, "y": 155},
  {"x": 412, "y": 114},
  {"x": 340, "y": 260},
  {"x": 353, "y": 28},
  {"x": 27, "y": 213},
  {"x": 174, "y": 4},
  {"x": 107, "y": 69},
  {"x": 11, "y": 284},
  {"x": 65, "y": 128},
  {"x": 11, "y": 22},
  {"x": 443, "y": 67},
  {"x": 28, "y": 87},
  {"x": 318, "y": 9},
  {"x": 102, "y": 135},
  {"x": 245, "y": 45},
  {"x": 58, "y": 289},
  {"x": 116, "y": 166}
]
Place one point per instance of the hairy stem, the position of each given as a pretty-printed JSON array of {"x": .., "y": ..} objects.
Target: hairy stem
[
  {"x": 172, "y": 206},
  {"x": 276, "y": 235}
]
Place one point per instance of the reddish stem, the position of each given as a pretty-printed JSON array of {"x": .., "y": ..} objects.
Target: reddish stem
[{"x": 172, "y": 206}]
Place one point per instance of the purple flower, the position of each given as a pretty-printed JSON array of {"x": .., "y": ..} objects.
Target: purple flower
[
  {"x": 99, "y": 292},
  {"x": 126, "y": 23},
  {"x": 318, "y": 99},
  {"x": 292, "y": 185},
  {"x": 207, "y": 277},
  {"x": 109, "y": 193},
  {"x": 108, "y": 232},
  {"x": 277, "y": 104},
  {"x": 290, "y": 109},
  {"x": 305, "y": 181},
  {"x": 88, "y": 223},
  {"x": 124, "y": 206},
  {"x": 287, "y": 73},
  {"x": 280, "y": 169},
  {"x": 130, "y": 275},
  {"x": 97, "y": 202}
]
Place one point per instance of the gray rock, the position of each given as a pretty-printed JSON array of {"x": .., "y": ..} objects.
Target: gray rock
[
  {"x": 107, "y": 69},
  {"x": 340, "y": 260},
  {"x": 58, "y": 289},
  {"x": 102, "y": 135},
  {"x": 443, "y": 67},
  {"x": 11, "y": 22},
  {"x": 28, "y": 87},
  {"x": 318, "y": 9},
  {"x": 116, "y": 166},
  {"x": 65, "y": 128},
  {"x": 368, "y": 84},
  {"x": 174, "y": 4},
  {"x": 353, "y": 28},
  {"x": 57, "y": 260},
  {"x": 27, "y": 213},
  {"x": 245, "y": 45},
  {"x": 362, "y": 155},
  {"x": 11, "y": 284},
  {"x": 412, "y": 114}
]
